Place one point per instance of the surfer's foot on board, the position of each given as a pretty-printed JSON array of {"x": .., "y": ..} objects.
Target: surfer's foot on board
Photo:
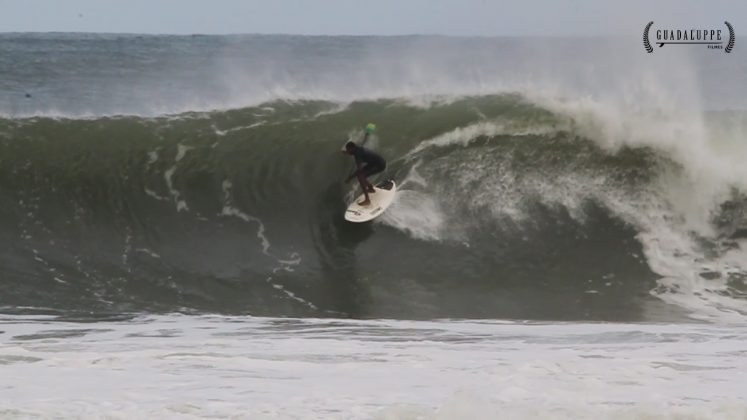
[{"x": 364, "y": 202}]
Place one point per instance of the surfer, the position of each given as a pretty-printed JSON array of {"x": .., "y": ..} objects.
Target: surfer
[{"x": 367, "y": 163}]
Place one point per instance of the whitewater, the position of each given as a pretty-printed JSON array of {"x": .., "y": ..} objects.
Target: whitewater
[{"x": 568, "y": 240}]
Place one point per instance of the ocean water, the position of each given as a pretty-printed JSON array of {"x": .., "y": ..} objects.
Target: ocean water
[
  {"x": 568, "y": 242},
  {"x": 210, "y": 366}
]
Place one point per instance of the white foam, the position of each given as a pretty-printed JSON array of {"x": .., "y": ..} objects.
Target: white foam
[
  {"x": 154, "y": 194},
  {"x": 222, "y": 133},
  {"x": 679, "y": 209},
  {"x": 700, "y": 164},
  {"x": 415, "y": 212},
  {"x": 148, "y": 252},
  {"x": 230, "y": 210},
  {"x": 181, "y": 204},
  {"x": 152, "y": 157},
  {"x": 465, "y": 135},
  {"x": 178, "y": 366},
  {"x": 181, "y": 151},
  {"x": 284, "y": 264}
]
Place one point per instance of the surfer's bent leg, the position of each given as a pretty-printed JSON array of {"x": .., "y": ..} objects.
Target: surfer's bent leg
[
  {"x": 369, "y": 170},
  {"x": 364, "y": 185}
]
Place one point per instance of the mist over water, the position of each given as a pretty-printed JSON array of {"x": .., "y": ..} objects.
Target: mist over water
[
  {"x": 95, "y": 74},
  {"x": 541, "y": 178}
]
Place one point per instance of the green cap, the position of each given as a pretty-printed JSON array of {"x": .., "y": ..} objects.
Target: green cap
[{"x": 370, "y": 127}]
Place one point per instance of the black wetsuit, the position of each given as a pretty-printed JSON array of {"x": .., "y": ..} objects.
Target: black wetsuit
[{"x": 373, "y": 162}]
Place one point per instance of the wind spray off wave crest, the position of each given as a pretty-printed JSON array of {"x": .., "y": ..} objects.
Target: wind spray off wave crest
[{"x": 97, "y": 74}]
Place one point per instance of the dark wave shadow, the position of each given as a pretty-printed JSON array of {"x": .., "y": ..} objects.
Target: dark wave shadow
[{"x": 335, "y": 241}]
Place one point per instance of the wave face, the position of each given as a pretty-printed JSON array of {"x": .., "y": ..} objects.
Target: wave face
[
  {"x": 507, "y": 209},
  {"x": 534, "y": 192}
]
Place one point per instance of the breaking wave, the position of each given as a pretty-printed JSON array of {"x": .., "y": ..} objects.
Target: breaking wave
[{"x": 511, "y": 206}]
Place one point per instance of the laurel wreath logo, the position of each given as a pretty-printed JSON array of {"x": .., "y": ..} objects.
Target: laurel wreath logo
[
  {"x": 646, "y": 43},
  {"x": 730, "y": 45},
  {"x": 650, "y": 49}
]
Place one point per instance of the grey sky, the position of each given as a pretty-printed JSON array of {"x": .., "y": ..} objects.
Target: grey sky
[{"x": 358, "y": 17}]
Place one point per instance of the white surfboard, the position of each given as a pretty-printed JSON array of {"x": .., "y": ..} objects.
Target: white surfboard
[{"x": 380, "y": 200}]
